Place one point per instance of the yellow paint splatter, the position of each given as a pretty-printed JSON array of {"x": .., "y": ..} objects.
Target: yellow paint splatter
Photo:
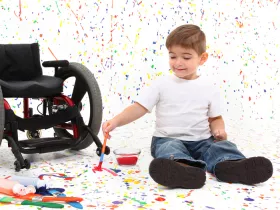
[
  {"x": 136, "y": 182},
  {"x": 128, "y": 180},
  {"x": 181, "y": 196},
  {"x": 246, "y": 84}
]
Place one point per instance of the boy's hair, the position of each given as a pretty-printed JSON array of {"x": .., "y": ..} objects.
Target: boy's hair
[{"x": 188, "y": 36}]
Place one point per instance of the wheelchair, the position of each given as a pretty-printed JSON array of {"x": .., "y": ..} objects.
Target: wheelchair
[{"x": 21, "y": 77}]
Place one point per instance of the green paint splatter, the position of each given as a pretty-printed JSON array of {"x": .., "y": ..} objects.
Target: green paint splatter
[
  {"x": 57, "y": 6},
  {"x": 134, "y": 199}
]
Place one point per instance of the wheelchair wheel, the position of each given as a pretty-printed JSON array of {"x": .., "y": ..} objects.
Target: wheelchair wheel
[
  {"x": 107, "y": 150},
  {"x": 17, "y": 166},
  {"x": 85, "y": 84},
  {"x": 27, "y": 164},
  {"x": 2, "y": 115}
]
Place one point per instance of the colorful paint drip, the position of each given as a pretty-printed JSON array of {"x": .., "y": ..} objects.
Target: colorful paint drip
[{"x": 123, "y": 44}]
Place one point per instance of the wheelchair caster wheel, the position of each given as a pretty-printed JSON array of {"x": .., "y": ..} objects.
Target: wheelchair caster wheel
[
  {"x": 34, "y": 134},
  {"x": 27, "y": 164},
  {"x": 107, "y": 150},
  {"x": 17, "y": 166}
]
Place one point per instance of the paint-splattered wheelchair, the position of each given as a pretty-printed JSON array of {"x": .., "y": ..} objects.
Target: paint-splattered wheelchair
[{"x": 21, "y": 77}]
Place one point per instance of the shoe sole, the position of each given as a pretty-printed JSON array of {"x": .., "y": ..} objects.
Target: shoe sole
[
  {"x": 171, "y": 174},
  {"x": 249, "y": 171}
]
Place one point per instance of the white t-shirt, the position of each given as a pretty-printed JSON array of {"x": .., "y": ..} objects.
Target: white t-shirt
[{"x": 182, "y": 106}]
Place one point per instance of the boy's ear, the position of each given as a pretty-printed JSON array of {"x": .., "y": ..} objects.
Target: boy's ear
[{"x": 203, "y": 58}]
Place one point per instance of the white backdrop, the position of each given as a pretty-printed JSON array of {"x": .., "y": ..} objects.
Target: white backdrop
[{"x": 123, "y": 43}]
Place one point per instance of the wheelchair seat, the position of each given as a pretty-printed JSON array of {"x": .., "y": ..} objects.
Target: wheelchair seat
[
  {"x": 21, "y": 76},
  {"x": 21, "y": 73},
  {"x": 40, "y": 86}
]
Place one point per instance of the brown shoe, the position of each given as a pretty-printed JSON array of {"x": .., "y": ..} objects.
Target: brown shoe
[
  {"x": 246, "y": 171},
  {"x": 174, "y": 175}
]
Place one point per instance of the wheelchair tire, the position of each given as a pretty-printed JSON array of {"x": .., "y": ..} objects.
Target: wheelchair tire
[
  {"x": 2, "y": 115},
  {"x": 88, "y": 81},
  {"x": 107, "y": 150}
]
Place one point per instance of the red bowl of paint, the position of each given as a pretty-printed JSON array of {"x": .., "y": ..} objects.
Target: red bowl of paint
[{"x": 127, "y": 156}]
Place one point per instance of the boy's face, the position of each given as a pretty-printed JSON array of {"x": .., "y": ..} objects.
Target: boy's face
[{"x": 184, "y": 62}]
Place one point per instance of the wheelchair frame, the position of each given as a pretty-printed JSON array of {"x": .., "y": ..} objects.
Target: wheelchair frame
[{"x": 83, "y": 135}]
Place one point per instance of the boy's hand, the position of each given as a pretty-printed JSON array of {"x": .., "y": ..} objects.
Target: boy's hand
[
  {"x": 220, "y": 135},
  {"x": 108, "y": 126}
]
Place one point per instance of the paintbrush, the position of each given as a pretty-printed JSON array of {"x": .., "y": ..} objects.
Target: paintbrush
[
  {"x": 12, "y": 200},
  {"x": 99, "y": 167},
  {"x": 37, "y": 197},
  {"x": 60, "y": 194}
]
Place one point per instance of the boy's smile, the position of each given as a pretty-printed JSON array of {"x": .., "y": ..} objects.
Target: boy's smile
[{"x": 184, "y": 62}]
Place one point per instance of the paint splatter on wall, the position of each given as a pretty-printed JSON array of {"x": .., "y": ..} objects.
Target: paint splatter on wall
[{"x": 123, "y": 43}]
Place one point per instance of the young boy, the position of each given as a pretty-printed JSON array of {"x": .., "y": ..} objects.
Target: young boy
[{"x": 190, "y": 135}]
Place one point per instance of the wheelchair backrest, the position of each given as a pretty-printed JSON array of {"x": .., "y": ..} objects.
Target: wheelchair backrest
[{"x": 19, "y": 62}]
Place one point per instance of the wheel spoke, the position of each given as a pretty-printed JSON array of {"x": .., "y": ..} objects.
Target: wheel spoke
[{"x": 78, "y": 92}]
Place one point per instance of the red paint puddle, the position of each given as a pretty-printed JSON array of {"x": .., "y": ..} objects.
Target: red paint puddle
[
  {"x": 129, "y": 160},
  {"x": 160, "y": 199},
  {"x": 97, "y": 168}
]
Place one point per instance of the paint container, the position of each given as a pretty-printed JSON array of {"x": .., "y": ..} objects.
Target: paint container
[
  {"x": 127, "y": 156},
  {"x": 12, "y": 188},
  {"x": 30, "y": 181}
]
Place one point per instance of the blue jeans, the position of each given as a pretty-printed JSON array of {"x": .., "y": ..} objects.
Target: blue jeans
[{"x": 204, "y": 153}]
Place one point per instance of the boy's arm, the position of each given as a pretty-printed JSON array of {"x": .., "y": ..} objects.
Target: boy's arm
[
  {"x": 128, "y": 115},
  {"x": 217, "y": 127}
]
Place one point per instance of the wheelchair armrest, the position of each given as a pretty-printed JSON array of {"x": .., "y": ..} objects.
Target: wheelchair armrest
[{"x": 56, "y": 63}]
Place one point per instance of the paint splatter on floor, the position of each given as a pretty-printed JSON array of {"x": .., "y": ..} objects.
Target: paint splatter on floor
[{"x": 132, "y": 187}]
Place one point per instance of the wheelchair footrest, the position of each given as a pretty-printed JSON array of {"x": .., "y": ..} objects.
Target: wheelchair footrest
[{"x": 46, "y": 142}]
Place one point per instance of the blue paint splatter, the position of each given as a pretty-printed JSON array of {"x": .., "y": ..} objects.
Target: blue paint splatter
[
  {"x": 117, "y": 202},
  {"x": 249, "y": 199}
]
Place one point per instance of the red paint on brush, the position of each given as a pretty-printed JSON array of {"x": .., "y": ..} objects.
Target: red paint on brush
[{"x": 127, "y": 160}]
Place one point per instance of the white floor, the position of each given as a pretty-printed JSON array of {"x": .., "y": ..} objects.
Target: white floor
[{"x": 134, "y": 189}]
